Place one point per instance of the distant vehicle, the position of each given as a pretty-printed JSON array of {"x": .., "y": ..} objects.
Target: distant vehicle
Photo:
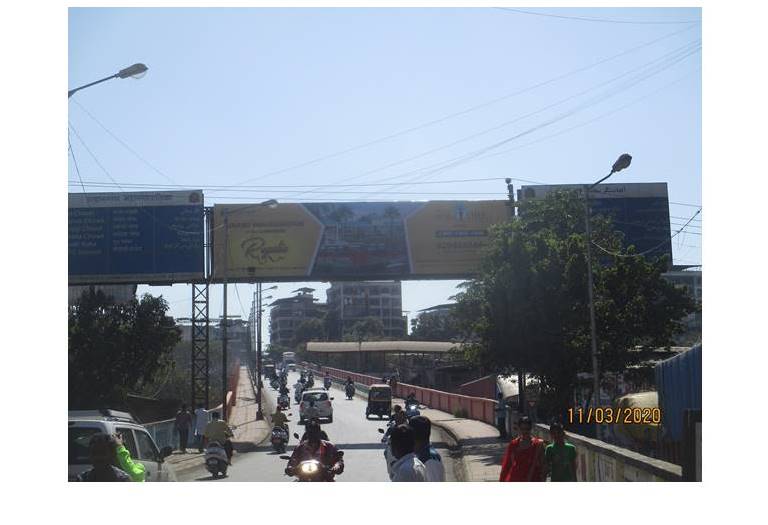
[
  {"x": 289, "y": 358},
  {"x": 379, "y": 401},
  {"x": 322, "y": 402},
  {"x": 84, "y": 423}
]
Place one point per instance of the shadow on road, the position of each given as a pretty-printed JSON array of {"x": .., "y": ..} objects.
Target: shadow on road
[{"x": 210, "y": 478}]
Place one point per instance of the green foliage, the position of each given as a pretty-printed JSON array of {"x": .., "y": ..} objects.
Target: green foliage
[
  {"x": 117, "y": 348},
  {"x": 529, "y": 309},
  {"x": 308, "y": 330},
  {"x": 332, "y": 325},
  {"x": 434, "y": 326},
  {"x": 368, "y": 329}
]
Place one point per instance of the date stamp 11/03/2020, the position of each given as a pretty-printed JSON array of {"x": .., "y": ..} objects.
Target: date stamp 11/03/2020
[{"x": 618, "y": 416}]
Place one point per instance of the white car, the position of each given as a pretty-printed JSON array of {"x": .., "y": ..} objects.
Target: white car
[
  {"x": 84, "y": 423},
  {"x": 322, "y": 405}
]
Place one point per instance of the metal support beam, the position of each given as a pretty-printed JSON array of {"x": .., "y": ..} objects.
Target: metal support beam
[{"x": 200, "y": 345}]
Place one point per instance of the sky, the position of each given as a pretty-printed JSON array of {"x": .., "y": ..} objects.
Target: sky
[{"x": 264, "y": 98}]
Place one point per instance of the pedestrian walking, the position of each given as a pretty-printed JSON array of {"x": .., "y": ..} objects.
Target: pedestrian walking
[
  {"x": 560, "y": 456},
  {"x": 407, "y": 466},
  {"x": 427, "y": 454},
  {"x": 524, "y": 458},
  {"x": 201, "y": 420},
  {"x": 183, "y": 425},
  {"x": 501, "y": 416}
]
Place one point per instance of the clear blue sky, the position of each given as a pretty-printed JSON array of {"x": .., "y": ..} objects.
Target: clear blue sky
[{"x": 233, "y": 95}]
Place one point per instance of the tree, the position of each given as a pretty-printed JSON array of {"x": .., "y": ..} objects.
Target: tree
[
  {"x": 528, "y": 305},
  {"x": 332, "y": 325},
  {"x": 117, "y": 348},
  {"x": 367, "y": 329},
  {"x": 434, "y": 326},
  {"x": 308, "y": 330}
]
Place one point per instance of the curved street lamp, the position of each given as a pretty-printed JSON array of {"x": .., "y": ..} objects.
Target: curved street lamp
[
  {"x": 135, "y": 71},
  {"x": 621, "y": 163}
]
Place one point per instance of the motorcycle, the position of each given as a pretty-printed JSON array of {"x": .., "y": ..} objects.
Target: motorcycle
[
  {"x": 283, "y": 402},
  {"x": 412, "y": 410},
  {"x": 327, "y": 383},
  {"x": 274, "y": 383},
  {"x": 216, "y": 461},
  {"x": 349, "y": 390},
  {"x": 388, "y": 456},
  {"x": 279, "y": 439},
  {"x": 309, "y": 470}
]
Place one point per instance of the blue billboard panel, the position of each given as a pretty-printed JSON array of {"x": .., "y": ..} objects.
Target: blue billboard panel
[
  {"x": 638, "y": 210},
  {"x": 136, "y": 237}
]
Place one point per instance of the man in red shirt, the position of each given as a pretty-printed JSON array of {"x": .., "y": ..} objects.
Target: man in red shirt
[{"x": 524, "y": 458}]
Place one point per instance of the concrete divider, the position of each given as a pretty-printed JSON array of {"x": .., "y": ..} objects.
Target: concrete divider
[{"x": 600, "y": 461}]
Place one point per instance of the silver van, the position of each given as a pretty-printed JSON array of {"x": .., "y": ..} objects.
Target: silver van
[{"x": 84, "y": 423}]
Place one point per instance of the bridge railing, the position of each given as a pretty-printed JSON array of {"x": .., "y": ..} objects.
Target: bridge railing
[{"x": 478, "y": 408}]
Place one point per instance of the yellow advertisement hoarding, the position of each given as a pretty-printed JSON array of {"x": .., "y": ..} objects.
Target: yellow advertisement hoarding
[
  {"x": 265, "y": 242},
  {"x": 358, "y": 240},
  {"x": 447, "y": 238}
]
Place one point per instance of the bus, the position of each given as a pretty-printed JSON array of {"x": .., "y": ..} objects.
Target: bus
[{"x": 289, "y": 360}]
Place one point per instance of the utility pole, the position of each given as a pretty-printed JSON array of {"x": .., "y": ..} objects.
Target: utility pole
[
  {"x": 259, "y": 412},
  {"x": 225, "y": 321},
  {"x": 621, "y": 163},
  {"x": 521, "y": 408}
]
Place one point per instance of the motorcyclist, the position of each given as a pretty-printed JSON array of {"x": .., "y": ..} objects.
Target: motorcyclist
[
  {"x": 315, "y": 447},
  {"x": 411, "y": 399},
  {"x": 323, "y": 435},
  {"x": 349, "y": 387},
  {"x": 284, "y": 389},
  {"x": 311, "y": 411},
  {"x": 280, "y": 420},
  {"x": 218, "y": 430},
  {"x": 398, "y": 418}
]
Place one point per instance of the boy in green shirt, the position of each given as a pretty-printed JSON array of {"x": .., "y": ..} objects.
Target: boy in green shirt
[{"x": 560, "y": 456}]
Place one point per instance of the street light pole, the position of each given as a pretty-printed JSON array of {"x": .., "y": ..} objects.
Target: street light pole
[
  {"x": 224, "y": 327},
  {"x": 271, "y": 203},
  {"x": 135, "y": 71},
  {"x": 521, "y": 408},
  {"x": 259, "y": 412},
  {"x": 622, "y": 162}
]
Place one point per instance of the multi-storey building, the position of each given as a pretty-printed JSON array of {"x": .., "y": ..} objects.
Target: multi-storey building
[
  {"x": 288, "y": 313},
  {"x": 690, "y": 279},
  {"x": 350, "y": 302}
]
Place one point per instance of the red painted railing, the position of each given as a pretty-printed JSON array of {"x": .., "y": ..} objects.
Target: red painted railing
[
  {"x": 478, "y": 408},
  {"x": 232, "y": 382}
]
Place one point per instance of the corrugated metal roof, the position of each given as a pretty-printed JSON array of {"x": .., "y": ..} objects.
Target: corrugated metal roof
[{"x": 413, "y": 347}]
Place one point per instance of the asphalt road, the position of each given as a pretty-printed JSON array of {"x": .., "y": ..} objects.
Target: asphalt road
[{"x": 350, "y": 432}]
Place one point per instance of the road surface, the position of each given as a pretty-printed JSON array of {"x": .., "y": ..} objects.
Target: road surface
[{"x": 350, "y": 432}]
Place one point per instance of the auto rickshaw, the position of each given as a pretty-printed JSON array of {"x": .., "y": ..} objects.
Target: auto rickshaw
[{"x": 379, "y": 401}]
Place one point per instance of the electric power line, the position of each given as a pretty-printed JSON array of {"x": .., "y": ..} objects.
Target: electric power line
[
  {"x": 74, "y": 160},
  {"x": 123, "y": 143},
  {"x": 468, "y": 157},
  {"x": 465, "y": 111},
  {"x": 653, "y": 67},
  {"x": 106, "y": 172},
  {"x": 603, "y": 20},
  {"x": 594, "y": 119},
  {"x": 616, "y": 254}
]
